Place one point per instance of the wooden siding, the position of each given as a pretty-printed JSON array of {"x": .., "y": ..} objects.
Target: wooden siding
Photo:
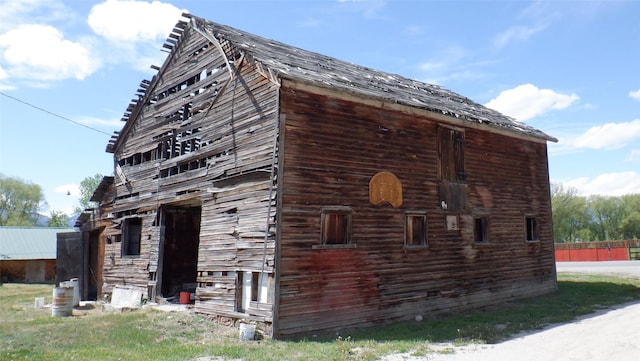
[
  {"x": 28, "y": 271},
  {"x": 205, "y": 138},
  {"x": 331, "y": 150}
]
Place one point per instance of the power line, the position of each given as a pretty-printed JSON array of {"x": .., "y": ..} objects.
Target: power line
[{"x": 54, "y": 114}]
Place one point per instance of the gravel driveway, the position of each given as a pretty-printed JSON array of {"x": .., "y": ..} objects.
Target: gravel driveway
[
  {"x": 607, "y": 335},
  {"x": 624, "y": 268}
]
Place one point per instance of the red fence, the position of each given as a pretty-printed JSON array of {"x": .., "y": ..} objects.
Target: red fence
[{"x": 597, "y": 251}]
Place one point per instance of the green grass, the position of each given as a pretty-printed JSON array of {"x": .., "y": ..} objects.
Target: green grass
[
  {"x": 147, "y": 334},
  {"x": 577, "y": 295}
]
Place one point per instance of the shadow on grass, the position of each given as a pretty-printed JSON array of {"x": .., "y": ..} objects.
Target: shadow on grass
[{"x": 573, "y": 299}]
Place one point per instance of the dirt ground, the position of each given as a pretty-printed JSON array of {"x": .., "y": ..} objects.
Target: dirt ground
[
  {"x": 611, "y": 335},
  {"x": 608, "y": 335}
]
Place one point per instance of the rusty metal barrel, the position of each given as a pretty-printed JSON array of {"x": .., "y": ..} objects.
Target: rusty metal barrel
[{"x": 62, "y": 304}]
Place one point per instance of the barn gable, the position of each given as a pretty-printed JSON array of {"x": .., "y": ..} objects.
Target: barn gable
[{"x": 277, "y": 61}]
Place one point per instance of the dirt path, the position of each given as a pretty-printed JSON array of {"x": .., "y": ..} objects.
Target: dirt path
[{"x": 612, "y": 335}]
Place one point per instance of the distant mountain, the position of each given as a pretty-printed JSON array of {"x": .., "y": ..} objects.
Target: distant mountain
[{"x": 43, "y": 220}]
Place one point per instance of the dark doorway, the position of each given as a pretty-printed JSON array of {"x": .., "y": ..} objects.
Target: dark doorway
[
  {"x": 93, "y": 274},
  {"x": 180, "y": 252}
]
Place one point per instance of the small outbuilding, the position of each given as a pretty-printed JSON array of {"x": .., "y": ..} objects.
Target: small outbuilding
[
  {"x": 28, "y": 254},
  {"x": 311, "y": 195}
]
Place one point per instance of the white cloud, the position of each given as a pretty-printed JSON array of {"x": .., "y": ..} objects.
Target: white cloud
[
  {"x": 635, "y": 94},
  {"x": 4, "y": 76},
  {"x": 17, "y": 12},
  {"x": 516, "y": 33},
  {"x": 527, "y": 101},
  {"x": 414, "y": 30},
  {"x": 133, "y": 21},
  {"x": 445, "y": 59},
  {"x": 634, "y": 156},
  {"x": 69, "y": 189},
  {"x": 610, "y": 135},
  {"x": 450, "y": 64},
  {"x": 41, "y": 52},
  {"x": 370, "y": 9},
  {"x": 91, "y": 121},
  {"x": 609, "y": 184},
  {"x": 35, "y": 52},
  {"x": 310, "y": 22}
]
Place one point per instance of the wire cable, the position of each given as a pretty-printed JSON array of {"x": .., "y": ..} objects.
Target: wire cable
[{"x": 54, "y": 114}]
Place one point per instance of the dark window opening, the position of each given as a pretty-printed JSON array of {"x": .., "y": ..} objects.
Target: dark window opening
[
  {"x": 132, "y": 236},
  {"x": 532, "y": 229},
  {"x": 336, "y": 227},
  {"x": 255, "y": 283},
  {"x": 146, "y": 156},
  {"x": 481, "y": 229},
  {"x": 137, "y": 158},
  {"x": 416, "y": 230}
]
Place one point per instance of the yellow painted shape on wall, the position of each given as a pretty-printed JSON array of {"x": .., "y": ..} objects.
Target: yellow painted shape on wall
[{"x": 385, "y": 187}]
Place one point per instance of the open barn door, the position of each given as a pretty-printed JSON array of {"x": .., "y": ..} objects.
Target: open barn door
[{"x": 179, "y": 256}]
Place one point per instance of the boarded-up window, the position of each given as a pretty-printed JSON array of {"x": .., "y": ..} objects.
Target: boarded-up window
[
  {"x": 415, "y": 229},
  {"x": 132, "y": 233},
  {"x": 531, "y": 233},
  {"x": 481, "y": 229},
  {"x": 451, "y": 150},
  {"x": 451, "y": 173},
  {"x": 336, "y": 226}
]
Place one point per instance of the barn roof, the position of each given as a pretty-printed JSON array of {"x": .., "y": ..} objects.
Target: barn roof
[
  {"x": 101, "y": 189},
  {"x": 287, "y": 61},
  {"x": 22, "y": 243},
  {"x": 282, "y": 61}
]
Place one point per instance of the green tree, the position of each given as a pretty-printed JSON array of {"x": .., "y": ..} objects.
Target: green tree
[
  {"x": 607, "y": 214},
  {"x": 630, "y": 225},
  {"x": 19, "y": 202},
  {"x": 87, "y": 187},
  {"x": 569, "y": 214},
  {"x": 59, "y": 219}
]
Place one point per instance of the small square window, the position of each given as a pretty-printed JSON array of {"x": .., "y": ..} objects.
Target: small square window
[
  {"x": 531, "y": 232},
  {"x": 481, "y": 229},
  {"x": 336, "y": 226},
  {"x": 415, "y": 233}
]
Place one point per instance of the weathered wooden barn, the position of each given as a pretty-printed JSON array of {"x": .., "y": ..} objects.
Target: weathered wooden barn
[{"x": 313, "y": 195}]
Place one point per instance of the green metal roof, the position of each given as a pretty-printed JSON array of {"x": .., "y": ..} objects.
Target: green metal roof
[{"x": 20, "y": 243}]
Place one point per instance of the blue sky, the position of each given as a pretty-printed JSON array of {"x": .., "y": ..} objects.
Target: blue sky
[{"x": 569, "y": 68}]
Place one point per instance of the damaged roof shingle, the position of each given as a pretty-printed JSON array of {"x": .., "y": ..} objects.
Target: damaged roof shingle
[{"x": 292, "y": 62}]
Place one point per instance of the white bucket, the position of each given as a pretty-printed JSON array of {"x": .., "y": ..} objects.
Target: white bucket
[
  {"x": 39, "y": 302},
  {"x": 247, "y": 331},
  {"x": 76, "y": 290},
  {"x": 62, "y": 304}
]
